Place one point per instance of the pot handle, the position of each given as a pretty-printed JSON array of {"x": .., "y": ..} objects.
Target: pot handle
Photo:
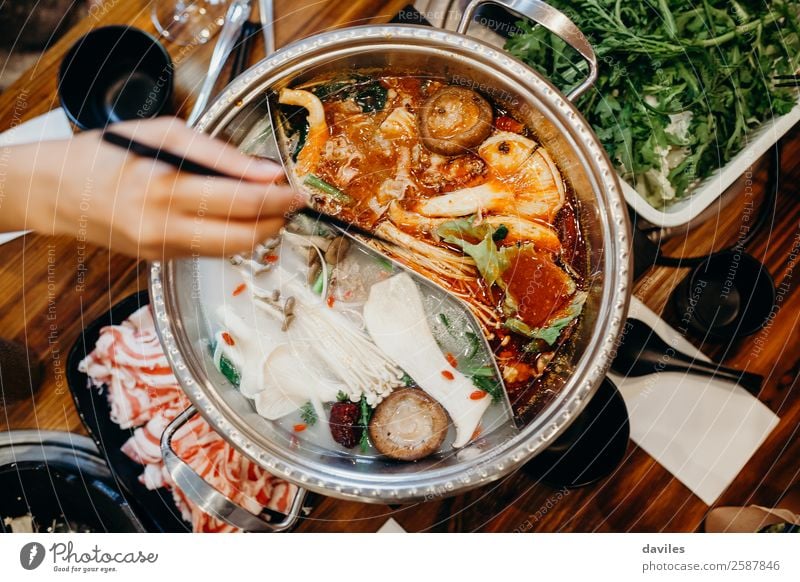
[
  {"x": 553, "y": 20},
  {"x": 208, "y": 498}
]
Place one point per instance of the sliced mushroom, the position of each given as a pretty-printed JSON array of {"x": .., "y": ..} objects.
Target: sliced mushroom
[
  {"x": 408, "y": 425},
  {"x": 454, "y": 120}
]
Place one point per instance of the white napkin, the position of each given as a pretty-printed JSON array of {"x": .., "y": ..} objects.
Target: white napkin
[
  {"x": 391, "y": 526},
  {"x": 701, "y": 430},
  {"x": 51, "y": 125}
]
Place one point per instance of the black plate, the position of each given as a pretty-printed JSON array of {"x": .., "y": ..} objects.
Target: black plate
[{"x": 155, "y": 509}]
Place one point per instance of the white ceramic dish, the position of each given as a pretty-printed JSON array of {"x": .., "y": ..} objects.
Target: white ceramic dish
[{"x": 687, "y": 209}]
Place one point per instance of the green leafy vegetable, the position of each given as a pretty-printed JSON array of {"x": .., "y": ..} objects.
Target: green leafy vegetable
[
  {"x": 296, "y": 124},
  {"x": 368, "y": 93},
  {"x": 302, "y": 137},
  {"x": 490, "y": 260},
  {"x": 371, "y": 97},
  {"x": 474, "y": 344},
  {"x": 481, "y": 375},
  {"x": 308, "y": 414},
  {"x": 489, "y": 384},
  {"x": 363, "y": 421},
  {"x": 681, "y": 82},
  {"x": 332, "y": 90},
  {"x": 228, "y": 370},
  {"x": 500, "y": 234},
  {"x": 321, "y": 185},
  {"x": 407, "y": 380},
  {"x": 552, "y": 331}
]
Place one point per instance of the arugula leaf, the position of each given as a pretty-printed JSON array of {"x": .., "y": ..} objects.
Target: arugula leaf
[
  {"x": 552, "y": 330},
  {"x": 308, "y": 414}
]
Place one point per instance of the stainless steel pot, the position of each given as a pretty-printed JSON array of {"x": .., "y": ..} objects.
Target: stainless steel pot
[{"x": 576, "y": 150}]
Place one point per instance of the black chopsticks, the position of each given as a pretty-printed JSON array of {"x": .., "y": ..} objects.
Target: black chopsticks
[
  {"x": 241, "y": 51},
  {"x": 146, "y": 151},
  {"x": 184, "y": 165}
]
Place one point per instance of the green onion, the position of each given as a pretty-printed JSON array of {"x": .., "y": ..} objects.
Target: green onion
[
  {"x": 318, "y": 183},
  {"x": 366, "y": 414},
  {"x": 318, "y": 284},
  {"x": 386, "y": 264}
]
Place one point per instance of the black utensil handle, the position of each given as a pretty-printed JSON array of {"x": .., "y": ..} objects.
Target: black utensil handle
[
  {"x": 740, "y": 376},
  {"x": 243, "y": 48},
  {"x": 747, "y": 380}
]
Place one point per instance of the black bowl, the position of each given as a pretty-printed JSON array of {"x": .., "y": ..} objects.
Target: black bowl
[
  {"x": 730, "y": 295},
  {"x": 62, "y": 483},
  {"x": 591, "y": 448},
  {"x": 114, "y": 73}
]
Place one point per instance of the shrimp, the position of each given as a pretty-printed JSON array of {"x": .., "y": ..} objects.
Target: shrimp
[
  {"x": 523, "y": 181},
  {"x": 318, "y": 133}
]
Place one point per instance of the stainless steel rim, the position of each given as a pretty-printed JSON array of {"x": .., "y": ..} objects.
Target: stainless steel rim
[{"x": 503, "y": 459}]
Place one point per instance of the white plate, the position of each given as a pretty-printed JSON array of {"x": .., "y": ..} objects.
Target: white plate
[{"x": 683, "y": 211}]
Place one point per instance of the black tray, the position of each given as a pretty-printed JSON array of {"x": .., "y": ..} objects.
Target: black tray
[{"x": 155, "y": 509}]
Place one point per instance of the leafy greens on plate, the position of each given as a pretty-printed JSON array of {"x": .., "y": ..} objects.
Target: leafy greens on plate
[{"x": 682, "y": 83}]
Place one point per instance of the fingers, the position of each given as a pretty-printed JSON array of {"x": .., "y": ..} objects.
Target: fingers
[
  {"x": 214, "y": 238},
  {"x": 223, "y": 198},
  {"x": 172, "y": 134}
]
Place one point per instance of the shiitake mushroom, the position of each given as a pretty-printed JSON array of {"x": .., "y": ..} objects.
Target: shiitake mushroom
[
  {"x": 454, "y": 120},
  {"x": 408, "y": 425}
]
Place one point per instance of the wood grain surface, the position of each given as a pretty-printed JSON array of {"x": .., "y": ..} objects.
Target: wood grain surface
[{"x": 45, "y": 301}]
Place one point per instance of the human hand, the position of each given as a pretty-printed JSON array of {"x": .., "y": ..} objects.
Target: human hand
[{"x": 97, "y": 192}]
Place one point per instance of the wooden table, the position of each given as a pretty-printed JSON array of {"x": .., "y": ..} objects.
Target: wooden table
[{"x": 38, "y": 289}]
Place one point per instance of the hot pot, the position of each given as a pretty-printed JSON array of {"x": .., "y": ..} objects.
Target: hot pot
[{"x": 578, "y": 153}]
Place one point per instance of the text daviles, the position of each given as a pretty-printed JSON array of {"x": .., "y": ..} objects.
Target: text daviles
[
  {"x": 665, "y": 549},
  {"x": 64, "y": 552}
]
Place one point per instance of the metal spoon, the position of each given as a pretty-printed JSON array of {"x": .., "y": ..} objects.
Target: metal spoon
[{"x": 641, "y": 352}]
